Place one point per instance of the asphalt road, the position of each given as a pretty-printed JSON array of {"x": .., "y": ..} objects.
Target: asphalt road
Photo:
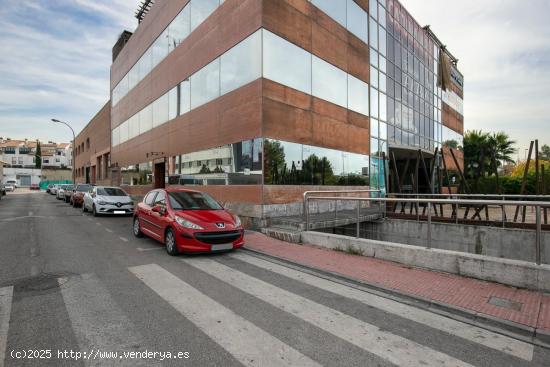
[{"x": 71, "y": 283}]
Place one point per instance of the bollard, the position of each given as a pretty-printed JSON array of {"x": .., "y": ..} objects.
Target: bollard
[
  {"x": 358, "y": 215},
  {"x": 456, "y": 213},
  {"x": 306, "y": 212},
  {"x": 429, "y": 225},
  {"x": 537, "y": 236}
]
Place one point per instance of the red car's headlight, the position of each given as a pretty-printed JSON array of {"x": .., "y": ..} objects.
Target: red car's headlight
[{"x": 187, "y": 224}]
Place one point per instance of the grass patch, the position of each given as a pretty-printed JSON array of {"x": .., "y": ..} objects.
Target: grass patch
[{"x": 352, "y": 250}]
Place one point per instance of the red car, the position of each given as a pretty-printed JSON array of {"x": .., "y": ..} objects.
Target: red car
[{"x": 187, "y": 221}]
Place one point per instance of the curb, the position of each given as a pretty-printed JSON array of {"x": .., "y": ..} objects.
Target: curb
[{"x": 511, "y": 329}]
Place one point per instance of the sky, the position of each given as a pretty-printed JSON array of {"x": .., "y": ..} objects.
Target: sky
[{"x": 56, "y": 56}]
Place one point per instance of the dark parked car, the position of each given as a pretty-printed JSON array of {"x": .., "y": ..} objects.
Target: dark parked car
[
  {"x": 187, "y": 221},
  {"x": 68, "y": 192},
  {"x": 77, "y": 198}
]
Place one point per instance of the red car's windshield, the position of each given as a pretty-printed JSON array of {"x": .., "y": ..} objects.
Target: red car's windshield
[{"x": 192, "y": 201}]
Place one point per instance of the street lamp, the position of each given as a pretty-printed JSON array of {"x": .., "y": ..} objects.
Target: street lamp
[{"x": 74, "y": 142}]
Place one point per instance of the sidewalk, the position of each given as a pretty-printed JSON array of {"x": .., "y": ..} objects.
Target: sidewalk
[{"x": 525, "y": 309}]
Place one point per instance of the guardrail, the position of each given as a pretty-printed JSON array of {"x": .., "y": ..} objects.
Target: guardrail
[
  {"x": 431, "y": 202},
  {"x": 307, "y": 194}
]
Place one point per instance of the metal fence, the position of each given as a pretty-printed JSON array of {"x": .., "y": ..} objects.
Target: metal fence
[{"x": 430, "y": 204}]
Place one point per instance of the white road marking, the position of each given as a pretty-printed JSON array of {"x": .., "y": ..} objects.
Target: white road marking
[
  {"x": 6, "y": 296},
  {"x": 97, "y": 321},
  {"x": 150, "y": 249},
  {"x": 123, "y": 239},
  {"x": 469, "y": 332},
  {"x": 109, "y": 230},
  {"x": 248, "y": 343},
  {"x": 393, "y": 348},
  {"x": 97, "y": 223}
]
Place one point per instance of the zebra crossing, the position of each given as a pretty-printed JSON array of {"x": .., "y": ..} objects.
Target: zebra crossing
[{"x": 99, "y": 322}]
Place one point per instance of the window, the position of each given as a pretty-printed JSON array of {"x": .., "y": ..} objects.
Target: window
[
  {"x": 145, "y": 119},
  {"x": 358, "y": 95},
  {"x": 242, "y": 64},
  {"x": 179, "y": 28},
  {"x": 329, "y": 82},
  {"x": 115, "y": 136},
  {"x": 133, "y": 126},
  {"x": 286, "y": 63},
  {"x": 160, "y": 199},
  {"x": 373, "y": 102},
  {"x": 160, "y": 48},
  {"x": 373, "y": 33},
  {"x": 123, "y": 132},
  {"x": 334, "y": 9},
  {"x": 192, "y": 201},
  {"x": 205, "y": 84},
  {"x": 185, "y": 97},
  {"x": 145, "y": 63},
  {"x": 150, "y": 198},
  {"x": 200, "y": 10},
  {"x": 358, "y": 20},
  {"x": 173, "y": 103},
  {"x": 160, "y": 110}
]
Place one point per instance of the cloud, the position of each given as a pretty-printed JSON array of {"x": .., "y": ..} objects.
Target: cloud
[
  {"x": 503, "y": 47},
  {"x": 56, "y": 57}
]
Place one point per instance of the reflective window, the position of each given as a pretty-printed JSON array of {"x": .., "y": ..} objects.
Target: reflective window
[
  {"x": 374, "y": 128},
  {"x": 205, "y": 84},
  {"x": 185, "y": 97},
  {"x": 160, "y": 110},
  {"x": 334, "y": 9},
  {"x": 357, "y": 21},
  {"x": 373, "y": 9},
  {"x": 358, "y": 95},
  {"x": 383, "y": 107},
  {"x": 329, "y": 82},
  {"x": 139, "y": 174},
  {"x": 123, "y": 132},
  {"x": 200, "y": 10},
  {"x": 242, "y": 64},
  {"x": 373, "y": 102},
  {"x": 173, "y": 103},
  {"x": 133, "y": 77},
  {"x": 133, "y": 129},
  {"x": 145, "y": 119},
  {"x": 180, "y": 28},
  {"x": 115, "y": 137},
  {"x": 160, "y": 48},
  {"x": 373, "y": 34},
  {"x": 286, "y": 63},
  {"x": 232, "y": 164},
  {"x": 296, "y": 164},
  {"x": 145, "y": 64}
]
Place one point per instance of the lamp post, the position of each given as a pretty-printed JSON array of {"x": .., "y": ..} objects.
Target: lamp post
[{"x": 73, "y": 152}]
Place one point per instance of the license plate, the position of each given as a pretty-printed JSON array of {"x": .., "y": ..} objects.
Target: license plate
[
  {"x": 119, "y": 212},
  {"x": 225, "y": 246}
]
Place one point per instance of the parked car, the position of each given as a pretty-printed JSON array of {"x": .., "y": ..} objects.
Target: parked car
[
  {"x": 60, "y": 193},
  {"x": 108, "y": 200},
  {"x": 2, "y": 190},
  {"x": 54, "y": 188},
  {"x": 35, "y": 187},
  {"x": 78, "y": 194},
  {"x": 187, "y": 221},
  {"x": 49, "y": 188},
  {"x": 9, "y": 186},
  {"x": 67, "y": 193},
  {"x": 12, "y": 183}
]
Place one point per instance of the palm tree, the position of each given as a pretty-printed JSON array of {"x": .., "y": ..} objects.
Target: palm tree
[
  {"x": 475, "y": 153},
  {"x": 502, "y": 147}
]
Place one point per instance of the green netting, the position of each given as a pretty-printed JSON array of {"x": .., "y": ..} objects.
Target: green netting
[{"x": 44, "y": 184}]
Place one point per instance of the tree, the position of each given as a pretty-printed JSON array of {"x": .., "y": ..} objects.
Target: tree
[
  {"x": 475, "y": 154},
  {"x": 502, "y": 147},
  {"x": 274, "y": 161},
  {"x": 38, "y": 156},
  {"x": 545, "y": 152}
]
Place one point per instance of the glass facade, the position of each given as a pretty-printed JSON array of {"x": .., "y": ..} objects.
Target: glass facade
[
  {"x": 298, "y": 164},
  {"x": 263, "y": 51},
  {"x": 232, "y": 164},
  {"x": 403, "y": 100},
  {"x": 189, "y": 18}
]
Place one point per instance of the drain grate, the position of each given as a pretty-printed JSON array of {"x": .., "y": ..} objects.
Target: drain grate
[{"x": 505, "y": 303}]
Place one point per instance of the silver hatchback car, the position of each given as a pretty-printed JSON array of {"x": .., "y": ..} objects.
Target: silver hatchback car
[{"x": 104, "y": 200}]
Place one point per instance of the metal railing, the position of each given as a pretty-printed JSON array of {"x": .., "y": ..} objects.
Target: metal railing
[
  {"x": 306, "y": 196},
  {"x": 432, "y": 202}
]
